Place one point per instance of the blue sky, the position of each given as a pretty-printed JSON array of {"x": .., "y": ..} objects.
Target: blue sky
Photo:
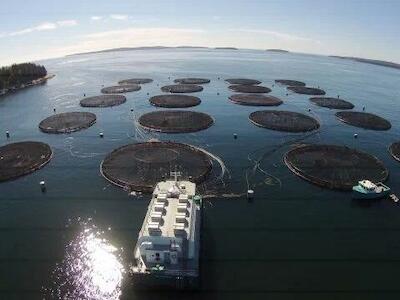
[{"x": 31, "y": 30}]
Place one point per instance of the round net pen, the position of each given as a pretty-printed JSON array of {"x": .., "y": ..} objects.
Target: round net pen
[
  {"x": 332, "y": 103},
  {"x": 140, "y": 166},
  {"x": 363, "y": 120},
  {"x": 286, "y": 121},
  {"x": 182, "y": 88},
  {"x": 120, "y": 89},
  {"x": 192, "y": 80},
  {"x": 306, "y": 90},
  {"x": 22, "y": 158},
  {"x": 242, "y": 88},
  {"x": 334, "y": 167},
  {"x": 243, "y": 81},
  {"x": 103, "y": 101},
  {"x": 289, "y": 82},
  {"x": 174, "y": 101},
  {"x": 135, "y": 81},
  {"x": 67, "y": 122},
  {"x": 175, "y": 121},
  {"x": 255, "y": 100}
]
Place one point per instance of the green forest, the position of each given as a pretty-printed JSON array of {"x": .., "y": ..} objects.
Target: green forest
[{"x": 18, "y": 74}]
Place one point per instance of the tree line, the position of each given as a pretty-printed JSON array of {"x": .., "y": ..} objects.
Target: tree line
[{"x": 18, "y": 74}]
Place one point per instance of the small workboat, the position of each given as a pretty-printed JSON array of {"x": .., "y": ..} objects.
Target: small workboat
[{"x": 366, "y": 189}]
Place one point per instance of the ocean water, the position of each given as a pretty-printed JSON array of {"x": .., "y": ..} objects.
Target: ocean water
[{"x": 293, "y": 241}]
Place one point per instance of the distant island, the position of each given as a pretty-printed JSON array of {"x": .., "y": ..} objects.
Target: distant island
[
  {"x": 371, "y": 61},
  {"x": 138, "y": 48},
  {"x": 19, "y": 76},
  {"x": 278, "y": 50},
  {"x": 226, "y": 48}
]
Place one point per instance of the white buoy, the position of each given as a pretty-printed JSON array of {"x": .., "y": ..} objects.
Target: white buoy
[
  {"x": 7, "y": 134},
  {"x": 42, "y": 186},
  {"x": 101, "y": 134},
  {"x": 250, "y": 194},
  {"x": 355, "y": 135},
  {"x": 235, "y": 136}
]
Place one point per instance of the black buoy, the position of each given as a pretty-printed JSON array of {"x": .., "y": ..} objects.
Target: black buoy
[
  {"x": 287, "y": 94},
  {"x": 355, "y": 135},
  {"x": 309, "y": 109},
  {"x": 235, "y": 136},
  {"x": 7, "y": 134},
  {"x": 190, "y": 178},
  {"x": 363, "y": 108},
  {"x": 219, "y": 78},
  {"x": 54, "y": 110},
  {"x": 148, "y": 94},
  {"x": 218, "y": 94},
  {"x": 250, "y": 194},
  {"x": 131, "y": 109},
  {"x": 101, "y": 134},
  {"x": 84, "y": 95}
]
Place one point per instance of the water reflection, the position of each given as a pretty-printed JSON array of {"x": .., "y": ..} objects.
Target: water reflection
[{"x": 91, "y": 269}]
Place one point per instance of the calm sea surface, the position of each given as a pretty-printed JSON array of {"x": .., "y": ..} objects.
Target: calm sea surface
[{"x": 293, "y": 241}]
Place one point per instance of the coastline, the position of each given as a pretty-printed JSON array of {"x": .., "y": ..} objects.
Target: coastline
[{"x": 35, "y": 82}]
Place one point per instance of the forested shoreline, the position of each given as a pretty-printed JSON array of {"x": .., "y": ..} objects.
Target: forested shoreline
[{"x": 20, "y": 75}]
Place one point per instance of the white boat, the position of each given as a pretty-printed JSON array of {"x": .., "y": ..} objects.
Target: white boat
[
  {"x": 366, "y": 189},
  {"x": 168, "y": 246}
]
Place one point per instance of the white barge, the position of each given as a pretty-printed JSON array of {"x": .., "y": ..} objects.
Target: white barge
[{"x": 168, "y": 247}]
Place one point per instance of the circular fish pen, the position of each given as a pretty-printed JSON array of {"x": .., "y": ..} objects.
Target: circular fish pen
[
  {"x": 182, "y": 88},
  {"x": 67, "y": 122},
  {"x": 243, "y": 88},
  {"x": 394, "y": 150},
  {"x": 289, "y": 82},
  {"x": 306, "y": 90},
  {"x": 140, "y": 166},
  {"x": 192, "y": 80},
  {"x": 135, "y": 81},
  {"x": 333, "y": 103},
  {"x": 255, "y": 100},
  {"x": 22, "y": 158},
  {"x": 243, "y": 81},
  {"x": 175, "y": 121},
  {"x": 103, "y": 101},
  {"x": 363, "y": 120},
  {"x": 287, "y": 121},
  {"x": 174, "y": 101},
  {"x": 334, "y": 167},
  {"x": 119, "y": 89}
]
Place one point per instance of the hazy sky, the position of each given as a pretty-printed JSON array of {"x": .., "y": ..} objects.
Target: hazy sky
[{"x": 31, "y": 30}]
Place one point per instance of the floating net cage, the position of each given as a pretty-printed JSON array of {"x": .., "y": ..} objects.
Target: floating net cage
[
  {"x": 119, "y": 89},
  {"x": 67, "y": 122},
  {"x": 22, "y": 158},
  {"x": 182, "y": 88},
  {"x": 135, "y": 81},
  {"x": 192, "y": 80},
  {"x": 175, "y": 121},
  {"x": 394, "y": 150},
  {"x": 103, "y": 101},
  {"x": 140, "y": 166},
  {"x": 243, "y": 81},
  {"x": 174, "y": 101},
  {"x": 306, "y": 90},
  {"x": 287, "y": 121},
  {"x": 289, "y": 82},
  {"x": 255, "y": 100},
  {"x": 334, "y": 167},
  {"x": 243, "y": 88},
  {"x": 363, "y": 120},
  {"x": 333, "y": 103}
]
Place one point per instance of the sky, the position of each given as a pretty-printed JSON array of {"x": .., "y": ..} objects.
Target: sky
[{"x": 41, "y": 29}]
